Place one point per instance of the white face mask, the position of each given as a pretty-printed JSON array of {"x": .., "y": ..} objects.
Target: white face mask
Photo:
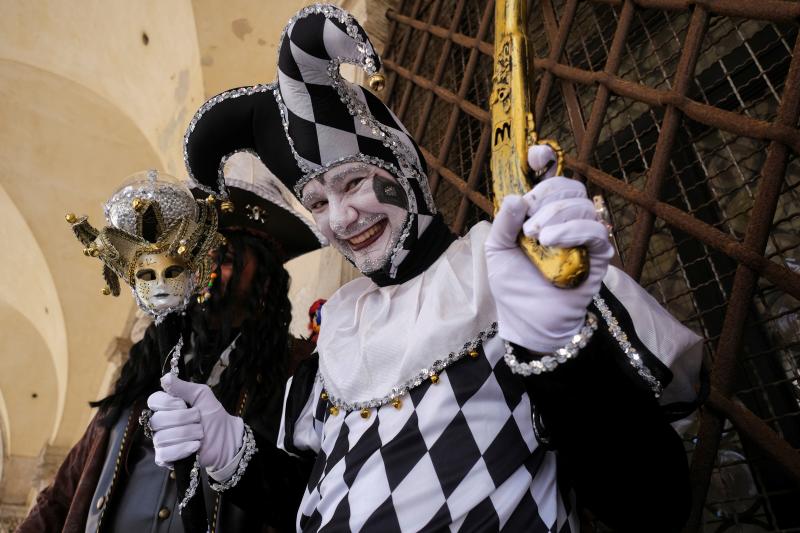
[
  {"x": 361, "y": 210},
  {"x": 163, "y": 282}
]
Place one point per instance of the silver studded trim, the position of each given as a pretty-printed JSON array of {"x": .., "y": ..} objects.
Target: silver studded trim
[
  {"x": 634, "y": 358},
  {"x": 404, "y": 154},
  {"x": 224, "y": 161},
  {"x": 144, "y": 421},
  {"x": 365, "y": 51},
  {"x": 357, "y": 109},
  {"x": 194, "y": 482},
  {"x": 548, "y": 363},
  {"x": 424, "y": 374},
  {"x": 234, "y": 93},
  {"x": 175, "y": 357},
  {"x": 249, "y": 445}
]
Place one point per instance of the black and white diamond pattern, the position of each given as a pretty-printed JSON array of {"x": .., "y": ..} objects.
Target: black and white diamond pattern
[
  {"x": 459, "y": 454},
  {"x": 329, "y": 121}
]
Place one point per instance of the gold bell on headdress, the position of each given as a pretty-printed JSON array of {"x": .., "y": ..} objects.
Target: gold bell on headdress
[
  {"x": 181, "y": 249},
  {"x": 105, "y": 291},
  {"x": 137, "y": 204},
  {"x": 377, "y": 82},
  {"x": 227, "y": 206},
  {"x": 211, "y": 199},
  {"x": 71, "y": 218}
]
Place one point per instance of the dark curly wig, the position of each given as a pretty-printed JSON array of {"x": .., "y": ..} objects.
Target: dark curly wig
[{"x": 259, "y": 361}]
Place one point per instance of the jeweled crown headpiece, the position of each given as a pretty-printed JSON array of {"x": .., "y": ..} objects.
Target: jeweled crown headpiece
[{"x": 151, "y": 213}]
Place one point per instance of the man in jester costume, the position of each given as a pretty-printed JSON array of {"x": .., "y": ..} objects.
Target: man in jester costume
[{"x": 455, "y": 388}]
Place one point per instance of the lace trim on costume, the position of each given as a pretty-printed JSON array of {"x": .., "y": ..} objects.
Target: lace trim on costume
[
  {"x": 249, "y": 445},
  {"x": 632, "y": 353},
  {"x": 431, "y": 373}
]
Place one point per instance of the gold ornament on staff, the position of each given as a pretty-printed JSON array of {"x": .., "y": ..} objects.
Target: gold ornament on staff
[{"x": 513, "y": 130}]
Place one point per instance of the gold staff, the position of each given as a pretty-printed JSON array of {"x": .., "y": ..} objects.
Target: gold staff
[{"x": 513, "y": 130}]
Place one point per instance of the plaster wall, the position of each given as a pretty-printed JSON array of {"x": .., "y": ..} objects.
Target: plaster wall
[
  {"x": 141, "y": 57},
  {"x": 70, "y": 149}
]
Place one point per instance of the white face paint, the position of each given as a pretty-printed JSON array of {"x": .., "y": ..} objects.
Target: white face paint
[
  {"x": 361, "y": 210},
  {"x": 162, "y": 282}
]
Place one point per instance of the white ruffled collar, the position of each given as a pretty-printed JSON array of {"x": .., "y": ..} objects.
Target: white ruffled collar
[{"x": 376, "y": 342}]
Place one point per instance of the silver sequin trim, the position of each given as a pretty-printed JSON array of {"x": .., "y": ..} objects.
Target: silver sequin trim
[
  {"x": 175, "y": 357},
  {"x": 144, "y": 421},
  {"x": 355, "y": 106},
  {"x": 234, "y": 93},
  {"x": 421, "y": 376},
  {"x": 548, "y": 363},
  {"x": 633, "y": 355},
  {"x": 174, "y": 200},
  {"x": 194, "y": 482},
  {"x": 249, "y": 444},
  {"x": 330, "y": 11}
]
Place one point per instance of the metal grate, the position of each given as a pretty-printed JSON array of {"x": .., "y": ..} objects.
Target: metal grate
[{"x": 684, "y": 115}]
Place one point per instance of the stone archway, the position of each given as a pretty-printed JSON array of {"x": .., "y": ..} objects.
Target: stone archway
[{"x": 66, "y": 149}]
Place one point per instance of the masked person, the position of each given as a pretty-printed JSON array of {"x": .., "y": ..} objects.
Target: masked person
[
  {"x": 455, "y": 387},
  {"x": 233, "y": 321}
]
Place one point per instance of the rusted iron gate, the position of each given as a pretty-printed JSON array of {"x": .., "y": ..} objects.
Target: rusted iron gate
[{"x": 684, "y": 115}]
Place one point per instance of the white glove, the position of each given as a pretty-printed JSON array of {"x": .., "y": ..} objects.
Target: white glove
[
  {"x": 176, "y": 428},
  {"x": 204, "y": 426},
  {"x": 531, "y": 311}
]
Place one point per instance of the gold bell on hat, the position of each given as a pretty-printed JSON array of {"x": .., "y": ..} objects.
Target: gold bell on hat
[
  {"x": 137, "y": 204},
  {"x": 377, "y": 82},
  {"x": 71, "y": 218}
]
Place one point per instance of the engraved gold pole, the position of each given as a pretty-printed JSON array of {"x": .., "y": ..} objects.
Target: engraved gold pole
[{"x": 513, "y": 130}]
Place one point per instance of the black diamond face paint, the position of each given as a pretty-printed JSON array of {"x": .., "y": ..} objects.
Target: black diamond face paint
[{"x": 389, "y": 192}]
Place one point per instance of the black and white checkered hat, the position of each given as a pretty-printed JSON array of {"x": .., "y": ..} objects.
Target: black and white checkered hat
[
  {"x": 221, "y": 156},
  {"x": 330, "y": 121},
  {"x": 312, "y": 119}
]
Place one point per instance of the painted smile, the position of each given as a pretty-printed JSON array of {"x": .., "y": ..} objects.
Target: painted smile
[{"x": 368, "y": 236}]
